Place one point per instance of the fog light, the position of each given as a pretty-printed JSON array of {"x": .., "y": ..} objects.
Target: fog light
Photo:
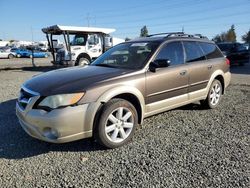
[{"x": 50, "y": 133}]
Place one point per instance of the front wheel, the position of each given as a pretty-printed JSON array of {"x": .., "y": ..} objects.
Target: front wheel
[
  {"x": 82, "y": 61},
  {"x": 116, "y": 124},
  {"x": 214, "y": 95}
]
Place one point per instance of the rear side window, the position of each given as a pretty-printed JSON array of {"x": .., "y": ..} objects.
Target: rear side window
[
  {"x": 193, "y": 51},
  {"x": 211, "y": 51},
  {"x": 172, "y": 51}
]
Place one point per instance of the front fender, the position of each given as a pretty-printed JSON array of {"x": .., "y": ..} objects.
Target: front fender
[{"x": 108, "y": 95}]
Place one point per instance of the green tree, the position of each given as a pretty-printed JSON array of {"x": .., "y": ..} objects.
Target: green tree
[
  {"x": 144, "y": 31},
  {"x": 1, "y": 40},
  {"x": 220, "y": 37},
  {"x": 246, "y": 37},
  {"x": 231, "y": 35}
]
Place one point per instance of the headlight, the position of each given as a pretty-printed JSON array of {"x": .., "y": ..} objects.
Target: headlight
[{"x": 56, "y": 101}]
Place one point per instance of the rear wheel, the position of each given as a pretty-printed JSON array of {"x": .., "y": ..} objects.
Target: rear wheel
[
  {"x": 214, "y": 95},
  {"x": 116, "y": 124},
  {"x": 10, "y": 56}
]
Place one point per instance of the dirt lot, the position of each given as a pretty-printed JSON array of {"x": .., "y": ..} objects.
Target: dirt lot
[{"x": 185, "y": 147}]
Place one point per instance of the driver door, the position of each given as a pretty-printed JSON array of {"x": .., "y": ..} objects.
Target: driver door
[
  {"x": 170, "y": 82},
  {"x": 94, "y": 45}
]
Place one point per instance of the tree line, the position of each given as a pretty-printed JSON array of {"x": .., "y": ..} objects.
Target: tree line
[
  {"x": 226, "y": 36},
  {"x": 230, "y": 36}
]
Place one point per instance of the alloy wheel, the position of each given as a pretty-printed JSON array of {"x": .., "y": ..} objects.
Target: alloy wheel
[
  {"x": 215, "y": 94},
  {"x": 119, "y": 124}
]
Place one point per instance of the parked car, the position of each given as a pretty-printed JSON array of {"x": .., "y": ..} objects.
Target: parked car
[
  {"x": 246, "y": 45},
  {"x": 237, "y": 53},
  {"x": 5, "y": 48},
  {"x": 28, "y": 53},
  {"x": 128, "y": 83},
  {"x": 7, "y": 54}
]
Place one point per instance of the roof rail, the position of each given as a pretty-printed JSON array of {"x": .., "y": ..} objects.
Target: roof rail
[
  {"x": 179, "y": 34},
  {"x": 169, "y": 33}
]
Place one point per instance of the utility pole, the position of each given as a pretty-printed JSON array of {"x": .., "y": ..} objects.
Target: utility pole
[
  {"x": 88, "y": 18},
  {"x": 32, "y": 47},
  {"x": 182, "y": 29}
]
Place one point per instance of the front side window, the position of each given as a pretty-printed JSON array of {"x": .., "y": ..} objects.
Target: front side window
[
  {"x": 211, "y": 51},
  {"x": 79, "y": 40},
  {"x": 93, "y": 39},
  {"x": 127, "y": 55},
  {"x": 193, "y": 51},
  {"x": 172, "y": 51}
]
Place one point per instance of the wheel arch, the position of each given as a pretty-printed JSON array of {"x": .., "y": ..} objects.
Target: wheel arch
[
  {"x": 85, "y": 55},
  {"x": 219, "y": 75},
  {"x": 133, "y": 95},
  {"x": 221, "y": 79}
]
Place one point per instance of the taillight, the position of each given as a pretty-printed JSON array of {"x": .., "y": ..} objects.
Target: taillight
[{"x": 227, "y": 61}]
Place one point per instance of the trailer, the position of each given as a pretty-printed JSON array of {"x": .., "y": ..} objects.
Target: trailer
[{"x": 88, "y": 43}]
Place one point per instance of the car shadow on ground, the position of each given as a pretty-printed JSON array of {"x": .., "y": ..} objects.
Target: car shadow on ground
[
  {"x": 236, "y": 69},
  {"x": 16, "y": 144}
]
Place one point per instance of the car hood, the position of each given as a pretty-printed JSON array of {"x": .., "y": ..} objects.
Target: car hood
[{"x": 71, "y": 80}]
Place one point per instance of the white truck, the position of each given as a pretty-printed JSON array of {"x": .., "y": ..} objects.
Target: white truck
[{"x": 88, "y": 43}]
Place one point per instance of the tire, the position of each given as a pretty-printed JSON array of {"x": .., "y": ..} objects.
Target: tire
[
  {"x": 82, "y": 61},
  {"x": 116, "y": 123},
  {"x": 10, "y": 56},
  {"x": 214, "y": 95}
]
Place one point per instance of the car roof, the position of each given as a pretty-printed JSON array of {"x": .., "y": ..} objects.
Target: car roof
[
  {"x": 178, "y": 36},
  {"x": 163, "y": 39}
]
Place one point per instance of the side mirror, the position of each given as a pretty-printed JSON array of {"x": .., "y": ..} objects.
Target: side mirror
[{"x": 159, "y": 63}]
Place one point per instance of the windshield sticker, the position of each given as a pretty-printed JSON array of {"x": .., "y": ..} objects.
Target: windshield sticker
[{"x": 140, "y": 44}]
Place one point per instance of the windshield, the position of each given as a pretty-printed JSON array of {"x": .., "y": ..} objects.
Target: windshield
[
  {"x": 79, "y": 40},
  {"x": 127, "y": 55}
]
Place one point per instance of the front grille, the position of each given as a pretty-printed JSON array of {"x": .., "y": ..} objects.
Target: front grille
[{"x": 25, "y": 97}]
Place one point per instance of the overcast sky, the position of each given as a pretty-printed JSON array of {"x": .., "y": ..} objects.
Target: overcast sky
[{"x": 20, "y": 18}]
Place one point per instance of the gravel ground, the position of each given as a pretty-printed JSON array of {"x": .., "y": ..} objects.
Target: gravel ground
[{"x": 185, "y": 147}]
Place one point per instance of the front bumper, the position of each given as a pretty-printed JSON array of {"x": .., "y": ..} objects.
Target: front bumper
[{"x": 57, "y": 126}]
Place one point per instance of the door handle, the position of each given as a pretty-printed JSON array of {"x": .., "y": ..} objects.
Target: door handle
[
  {"x": 182, "y": 73},
  {"x": 209, "y": 66}
]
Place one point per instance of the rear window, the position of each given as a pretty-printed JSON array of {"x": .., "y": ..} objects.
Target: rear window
[
  {"x": 210, "y": 50},
  {"x": 193, "y": 51}
]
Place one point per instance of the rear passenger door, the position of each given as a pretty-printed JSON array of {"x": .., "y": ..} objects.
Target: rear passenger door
[
  {"x": 213, "y": 55},
  {"x": 171, "y": 81},
  {"x": 199, "y": 68}
]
